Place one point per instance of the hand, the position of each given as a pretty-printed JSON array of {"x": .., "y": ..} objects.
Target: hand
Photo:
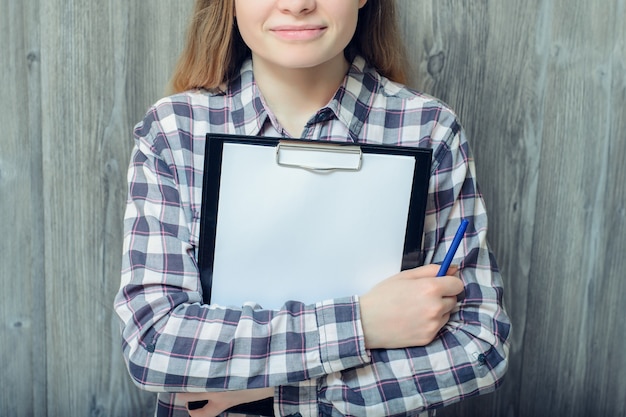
[
  {"x": 409, "y": 309},
  {"x": 218, "y": 402}
]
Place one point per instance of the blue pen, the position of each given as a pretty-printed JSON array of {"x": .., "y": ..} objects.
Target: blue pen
[{"x": 455, "y": 245}]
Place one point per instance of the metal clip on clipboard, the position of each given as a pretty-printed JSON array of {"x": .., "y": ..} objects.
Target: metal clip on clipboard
[{"x": 322, "y": 158}]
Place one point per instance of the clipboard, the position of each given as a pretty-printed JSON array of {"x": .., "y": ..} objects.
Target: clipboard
[{"x": 305, "y": 220}]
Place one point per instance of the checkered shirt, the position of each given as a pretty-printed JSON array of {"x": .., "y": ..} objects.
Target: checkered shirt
[{"x": 313, "y": 354}]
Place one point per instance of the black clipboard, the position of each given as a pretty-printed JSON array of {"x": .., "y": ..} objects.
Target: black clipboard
[{"x": 213, "y": 165}]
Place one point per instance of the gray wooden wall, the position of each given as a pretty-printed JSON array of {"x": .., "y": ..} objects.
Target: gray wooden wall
[{"x": 540, "y": 86}]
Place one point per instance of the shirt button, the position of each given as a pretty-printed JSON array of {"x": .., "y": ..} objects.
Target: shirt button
[
  {"x": 150, "y": 348},
  {"x": 482, "y": 359},
  {"x": 322, "y": 116}
]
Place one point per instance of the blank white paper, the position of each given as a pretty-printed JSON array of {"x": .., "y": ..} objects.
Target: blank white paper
[{"x": 286, "y": 233}]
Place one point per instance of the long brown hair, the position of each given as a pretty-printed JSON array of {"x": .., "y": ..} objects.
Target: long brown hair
[{"x": 214, "y": 49}]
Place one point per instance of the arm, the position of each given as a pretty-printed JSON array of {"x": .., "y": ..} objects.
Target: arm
[
  {"x": 415, "y": 293},
  {"x": 210, "y": 404},
  {"x": 174, "y": 343},
  {"x": 469, "y": 355}
]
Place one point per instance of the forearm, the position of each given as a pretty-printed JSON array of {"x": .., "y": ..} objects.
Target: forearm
[
  {"x": 194, "y": 346},
  {"x": 214, "y": 403},
  {"x": 173, "y": 342},
  {"x": 406, "y": 381},
  {"x": 468, "y": 357}
]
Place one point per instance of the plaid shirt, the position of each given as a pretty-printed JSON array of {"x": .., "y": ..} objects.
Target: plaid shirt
[{"x": 313, "y": 354}]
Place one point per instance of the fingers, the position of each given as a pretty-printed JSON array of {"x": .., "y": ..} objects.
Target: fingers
[
  {"x": 450, "y": 286},
  {"x": 446, "y": 286},
  {"x": 426, "y": 271},
  {"x": 449, "y": 305},
  {"x": 409, "y": 308}
]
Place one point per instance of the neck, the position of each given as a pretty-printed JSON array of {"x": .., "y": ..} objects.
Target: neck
[{"x": 296, "y": 94}]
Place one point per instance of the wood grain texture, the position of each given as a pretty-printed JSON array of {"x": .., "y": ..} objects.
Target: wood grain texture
[
  {"x": 576, "y": 259},
  {"x": 22, "y": 310},
  {"x": 94, "y": 57},
  {"x": 547, "y": 180},
  {"x": 540, "y": 88},
  {"x": 84, "y": 130}
]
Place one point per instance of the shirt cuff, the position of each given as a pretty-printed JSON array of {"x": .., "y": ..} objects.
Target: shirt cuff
[
  {"x": 342, "y": 342},
  {"x": 296, "y": 400}
]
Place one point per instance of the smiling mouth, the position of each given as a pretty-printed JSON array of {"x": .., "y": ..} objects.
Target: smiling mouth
[{"x": 295, "y": 33}]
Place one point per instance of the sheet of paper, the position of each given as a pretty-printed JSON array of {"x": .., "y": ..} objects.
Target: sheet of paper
[{"x": 292, "y": 234}]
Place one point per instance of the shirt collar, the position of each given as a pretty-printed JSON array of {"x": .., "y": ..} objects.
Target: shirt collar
[
  {"x": 351, "y": 103},
  {"x": 248, "y": 112}
]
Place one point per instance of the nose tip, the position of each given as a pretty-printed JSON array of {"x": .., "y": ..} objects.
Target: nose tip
[{"x": 297, "y": 7}]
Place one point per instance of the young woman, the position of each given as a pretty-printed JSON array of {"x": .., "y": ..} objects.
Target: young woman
[{"x": 326, "y": 70}]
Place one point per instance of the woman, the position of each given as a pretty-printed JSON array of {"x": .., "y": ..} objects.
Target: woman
[{"x": 322, "y": 70}]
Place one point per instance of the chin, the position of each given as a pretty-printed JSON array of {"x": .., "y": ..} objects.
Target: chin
[{"x": 306, "y": 62}]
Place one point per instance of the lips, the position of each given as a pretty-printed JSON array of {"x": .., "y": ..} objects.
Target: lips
[{"x": 304, "y": 32}]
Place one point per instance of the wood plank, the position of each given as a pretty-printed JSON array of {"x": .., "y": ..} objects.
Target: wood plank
[
  {"x": 22, "y": 311},
  {"x": 609, "y": 326},
  {"x": 564, "y": 367},
  {"x": 494, "y": 71},
  {"x": 157, "y": 35},
  {"x": 89, "y": 87},
  {"x": 539, "y": 86},
  {"x": 604, "y": 379}
]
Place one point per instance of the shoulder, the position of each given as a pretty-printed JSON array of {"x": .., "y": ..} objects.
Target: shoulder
[
  {"x": 173, "y": 112},
  {"x": 399, "y": 97},
  {"x": 400, "y": 114},
  {"x": 176, "y": 120},
  {"x": 428, "y": 122}
]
